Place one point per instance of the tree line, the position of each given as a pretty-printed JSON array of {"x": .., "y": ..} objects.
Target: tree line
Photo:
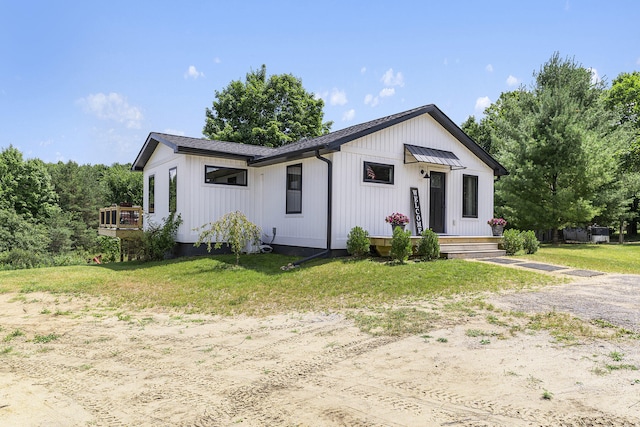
[
  {"x": 49, "y": 212},
  {"x": 571, "y": 145}
]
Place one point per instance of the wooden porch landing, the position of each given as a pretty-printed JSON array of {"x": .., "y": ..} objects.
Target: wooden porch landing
[{"x": 450, "y": 246}]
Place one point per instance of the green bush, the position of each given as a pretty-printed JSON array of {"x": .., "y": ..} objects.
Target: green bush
[
  {"x": 401, "y": 244},
  {"x": 512, "y": 241},
  {"x": 20, "y": 259},
  {"x": 530, "y": 242},
  {"x": 429, "y": 245},
  {"x": 159, "y": 239},
  {"x": 109, "y": 248},
  {"x": 358, "y": 242}
]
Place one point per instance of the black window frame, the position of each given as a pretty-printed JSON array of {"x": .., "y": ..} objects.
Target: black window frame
[
  {"x": 469, "y": 211},
  {"x": 366, "y": 173},
  {"x": 173, "y": 190},
  {"x": 293, "y": 205},
  {"x": 151, "y": 193},
  {"x": 235, "y": 170}
]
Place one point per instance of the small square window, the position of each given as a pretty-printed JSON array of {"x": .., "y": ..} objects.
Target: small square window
[{"x": 377, "y": 172}]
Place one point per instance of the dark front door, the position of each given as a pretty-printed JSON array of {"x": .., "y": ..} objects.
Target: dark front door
[{"x": 436, "y": 202}]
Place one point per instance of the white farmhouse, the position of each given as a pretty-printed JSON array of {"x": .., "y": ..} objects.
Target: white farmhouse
[{"x": 306, "y": 196}]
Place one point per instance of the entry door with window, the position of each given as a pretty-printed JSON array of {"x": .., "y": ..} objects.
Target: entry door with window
[{"x": 436, "y": 202}]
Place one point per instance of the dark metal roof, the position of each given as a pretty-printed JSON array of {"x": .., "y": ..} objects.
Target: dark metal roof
[
  {"x": 262, "y": 156},
  {"x": 433, "y": 156}
]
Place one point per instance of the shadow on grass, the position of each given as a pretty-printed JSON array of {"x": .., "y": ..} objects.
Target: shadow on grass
[{"x": 268, "y": 264}]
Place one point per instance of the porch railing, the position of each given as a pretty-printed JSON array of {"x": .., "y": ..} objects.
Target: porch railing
[{"x": 121, "y": 217}]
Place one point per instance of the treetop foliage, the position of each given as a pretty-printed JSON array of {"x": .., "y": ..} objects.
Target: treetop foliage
[{"x": 268, "y": 111}]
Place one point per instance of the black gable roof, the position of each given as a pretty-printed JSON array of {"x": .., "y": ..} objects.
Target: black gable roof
[{"x": 262, "y": 156}]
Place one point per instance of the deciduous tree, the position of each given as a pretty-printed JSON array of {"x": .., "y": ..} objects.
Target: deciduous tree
[{"x": 271, "y": 111}]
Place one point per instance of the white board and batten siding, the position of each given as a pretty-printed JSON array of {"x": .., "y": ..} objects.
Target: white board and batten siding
[
  {"x": 306, "y": 229},
  {"x": 364, "y": 204}
]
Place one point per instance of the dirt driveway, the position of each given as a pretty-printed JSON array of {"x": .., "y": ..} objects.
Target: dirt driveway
[{"x": 79, "y": 362}]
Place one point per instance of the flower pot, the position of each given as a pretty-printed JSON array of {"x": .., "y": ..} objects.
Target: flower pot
[
  {"x": 394, "y": 226},
  {"x": 497, "y": 230}
]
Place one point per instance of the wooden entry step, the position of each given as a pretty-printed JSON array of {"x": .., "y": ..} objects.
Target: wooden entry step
[{"x": 450, "y": 246}]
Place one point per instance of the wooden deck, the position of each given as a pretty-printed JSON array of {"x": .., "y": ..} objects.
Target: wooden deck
[
  {"x": 124, "y": 222},
  {"x": 450, "y": 246}
]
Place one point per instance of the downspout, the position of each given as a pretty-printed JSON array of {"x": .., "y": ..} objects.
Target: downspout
[{"x": 327, "y": 251}]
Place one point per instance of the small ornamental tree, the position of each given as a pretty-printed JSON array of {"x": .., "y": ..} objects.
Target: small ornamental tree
[
  {"x": 233, "y": 229},
  {"x": 358, "y": 242},
  {"x": 401, "y": 245},
  {"x": 429, "y": 245}
]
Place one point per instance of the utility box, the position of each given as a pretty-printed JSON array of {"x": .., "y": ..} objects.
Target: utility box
[{"x": 599, "y": 234}]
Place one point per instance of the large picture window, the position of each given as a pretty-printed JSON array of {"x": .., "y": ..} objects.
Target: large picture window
[
  {"x": 227, "y": 176},
  {"x": 470, "y": 196},
  {"x": 151, "y": 194},
  {"x": 173, "y": 189},
  {"x": 377, "y": 172},
  {"x": 294, "y": 189}
]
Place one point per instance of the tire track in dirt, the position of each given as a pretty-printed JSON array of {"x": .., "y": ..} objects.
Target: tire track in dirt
[
  {"x": 248, "y": 400},
  {"x": 60, "y": 379}
]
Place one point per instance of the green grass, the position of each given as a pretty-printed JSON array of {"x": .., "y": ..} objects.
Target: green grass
[
  {"x": 259, "y": 286},
  {"x": 610, "y": 258}
]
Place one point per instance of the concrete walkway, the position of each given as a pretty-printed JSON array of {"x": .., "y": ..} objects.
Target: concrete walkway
[{"x": 543, "y": 267}]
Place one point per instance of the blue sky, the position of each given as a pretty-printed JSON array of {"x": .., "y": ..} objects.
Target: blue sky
[{"x": 87, "y": 81}]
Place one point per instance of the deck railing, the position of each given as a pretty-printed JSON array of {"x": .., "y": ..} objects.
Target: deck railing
[{"x": 121, "y": 217}]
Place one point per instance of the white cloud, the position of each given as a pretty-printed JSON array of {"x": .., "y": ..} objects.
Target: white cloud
[
  {"x": 512, "y": 81},
  {"x": 112, "y": 106},
  {"x": 637, "y": 62},
  {"x": 387, "y": 91},
  {"x": 337, "y": 97},
  {"x": 217, "y": 60},
  {"x": 482, "y": 103},
  {"x": 371, "y": 100},
  {"x": 363, "y": 70},
  {"x": 489, "y": 68},
  {"x": 349, "y": 115},
  {"x": 391, "y": 79},
  {"x": 193, "y": 73},
  {"x": 446, "y": 61},
  {"x": 595, "y": 77}
]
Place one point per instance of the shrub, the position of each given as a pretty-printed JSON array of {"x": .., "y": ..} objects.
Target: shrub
[
  {"x": 159, "y": 239},
  {"x": 109, "y": 248},
  {"x": 358, "y": 242},
  {"x": 429, "y": 246},
  {"x": 234, "y": 229},
  {"x": 401, "y": 244},
  {"x": 20, "y": 259},
  {"x": 512, "y": 241},
  {"x": 530, "y": 243}
]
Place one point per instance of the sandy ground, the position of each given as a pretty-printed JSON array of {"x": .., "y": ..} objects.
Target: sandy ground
[{"x": 154, "y": 368}]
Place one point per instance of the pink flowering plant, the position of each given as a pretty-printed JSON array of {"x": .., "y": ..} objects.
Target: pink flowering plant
[
  {"x": 397, "y": 219},
  {"x": 497, "y": 221}
]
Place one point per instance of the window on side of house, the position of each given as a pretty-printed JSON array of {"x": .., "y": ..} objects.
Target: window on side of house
[
  {"x": 224, "y": 175},
  {"x": 377, "y": 172},
  {"x": 294, "y": 189},
  {"x": 173, "y": 189},
  {"x": 469, "y": 196},
  {"x": 151, "y": 194}
]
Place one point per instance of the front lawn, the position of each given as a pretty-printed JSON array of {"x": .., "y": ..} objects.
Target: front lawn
[
  {"x": 610, "y": 258},
  {"x": 214, "y": 285}
]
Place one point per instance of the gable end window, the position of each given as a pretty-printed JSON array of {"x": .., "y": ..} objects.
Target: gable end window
[
  {"x": 226, "y": 176},
  {"x": 378, "y": 173},
  {"x": 294, "y": 189},
  {"x": 469, "y": 196},
  {"x": 152, "y": 193},
  {"x": 173, "y": 189}
]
